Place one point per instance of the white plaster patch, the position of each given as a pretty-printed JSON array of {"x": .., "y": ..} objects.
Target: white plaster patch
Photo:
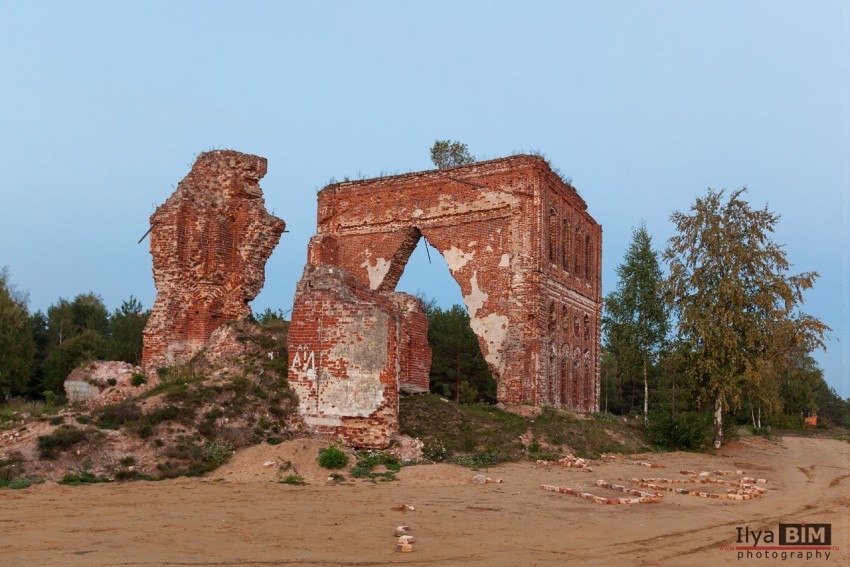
[
  {"x": 326, "y": 421},
  {"x": 489, "y": 248},
  {"x": 418, "y": 213},
  {"x": 457, "y": 258},
  {"x": 493, "y": 329},
  {"x": 476, "y": 298},
  {"x": 472, "y": 243},
  {"x": 505, "y": 262},
  {"x": 376, "y": 272},
  {"x": 359, "y": 395}
]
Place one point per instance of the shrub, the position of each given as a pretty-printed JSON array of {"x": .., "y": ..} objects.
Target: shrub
[
  {"x": 113, "y": 417},
  {"x": 217, "y": 453},
  {"x": 62, "y": 438},
  {"x": 138, "y": 379},
  {"x": 83, "y": 477},
  {"x": 294, "y": 479},
  {"x": 19, "y": 483},
  {"x": 332, "y": 457},
  {"x": 111, "y": 381},
  {"x": 685, "y": 431}
]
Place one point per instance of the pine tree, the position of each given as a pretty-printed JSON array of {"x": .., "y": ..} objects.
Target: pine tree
[{"x": 635, "y": 321}]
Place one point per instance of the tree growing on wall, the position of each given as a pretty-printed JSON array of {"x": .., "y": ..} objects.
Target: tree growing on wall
[
  {"x": 449, "y": 153},
  {"x": 730, "y": 287},
  {"x": 635, "y": 321}
]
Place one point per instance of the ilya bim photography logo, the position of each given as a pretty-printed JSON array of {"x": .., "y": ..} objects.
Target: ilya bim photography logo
[{"x": 789, "y": 541}]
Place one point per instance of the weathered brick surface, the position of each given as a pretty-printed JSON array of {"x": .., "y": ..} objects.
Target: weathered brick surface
[
  {"x": 519, "y": 242},
  {"x": 345, "y": 356},
  {"x": 209, "y": 241}
]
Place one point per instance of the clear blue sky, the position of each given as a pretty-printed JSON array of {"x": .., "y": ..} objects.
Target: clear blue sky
[{"x": 103, "y": 106}]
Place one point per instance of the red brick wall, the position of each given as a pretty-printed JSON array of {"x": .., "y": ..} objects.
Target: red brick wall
[
  {"x": 209, "y": 241},
  {"x": 345, "y": 357},
  {"x": 414, "y": 352},
  {"x": 493, "y": 223},
  {"x": 525, "y": 253}
]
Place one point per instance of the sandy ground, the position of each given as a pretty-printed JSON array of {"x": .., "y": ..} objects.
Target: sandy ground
[{"x": 241, "y": 516}]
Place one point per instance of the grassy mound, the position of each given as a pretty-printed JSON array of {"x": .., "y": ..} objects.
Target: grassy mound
[{"x": 482, "y": 435}]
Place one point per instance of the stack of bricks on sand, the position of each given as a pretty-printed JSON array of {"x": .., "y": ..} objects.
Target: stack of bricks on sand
[
  {"x": 524, "y": 251},
  {"x": 746, "y": 489},
  {"x": 642, "y": 497},
  {"x": 648, "y": 464},
  {"x": 209, "y": 241},
  {"x": 569, "y": 462}
]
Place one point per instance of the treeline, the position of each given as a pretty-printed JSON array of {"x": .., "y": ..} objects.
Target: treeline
[
  {"x": 720, "y": 340},
  {"x": 38, "y": 350}
]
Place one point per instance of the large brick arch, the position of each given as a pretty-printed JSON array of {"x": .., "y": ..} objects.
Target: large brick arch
[{"x": 518, "y": 241}]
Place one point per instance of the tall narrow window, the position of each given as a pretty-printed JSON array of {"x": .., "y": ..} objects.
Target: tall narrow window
[
  {"x": 576, "y": 250},
  {"x": 575, "y": 390},
  {"x": 553, "y": 379},
  {"x": 564, "y": 385},
  {"x": 553, "y": 234},
  {"x": 585, "y": 388},
  {"x": 553, "y": 319},
  {"x": 587, "y": 257},
  {"x": 586, "y": 328},
  {"x": 565, "y": 259}
]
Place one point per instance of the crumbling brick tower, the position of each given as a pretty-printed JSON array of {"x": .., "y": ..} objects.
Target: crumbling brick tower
[
  {"x": 516, "y": 238},
  {"x": 209, "y": 241}
]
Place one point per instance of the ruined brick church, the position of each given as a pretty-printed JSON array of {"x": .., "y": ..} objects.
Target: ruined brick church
[{"x": 517, "y": 239}]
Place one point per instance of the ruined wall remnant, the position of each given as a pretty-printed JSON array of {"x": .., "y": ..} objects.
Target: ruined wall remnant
[
  {"x": 344, "y": 358},
  {"x": 209, "y": 241},
  {"x": 516, "y": 238}
]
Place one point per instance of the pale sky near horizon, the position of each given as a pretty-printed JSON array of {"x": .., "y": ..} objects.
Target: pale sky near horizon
[{"x": 645, "y": 105}]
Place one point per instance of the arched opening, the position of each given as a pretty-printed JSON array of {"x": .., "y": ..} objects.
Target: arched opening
[
  {"x": 565, "y": 259},
  {"x": 458, "y": 369}
]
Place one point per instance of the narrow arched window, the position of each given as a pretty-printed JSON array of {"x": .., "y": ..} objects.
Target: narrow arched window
[
  {"x": 553, "y": 234},
  {"x": 587, "y": 257},
  {"x": 586, "y": 328},
  {"x": 576, "y": 252},
  {"x": 553, "y": 318},
  {"x": 565, "y": 258},
  {"x": 564, "y": 385}
]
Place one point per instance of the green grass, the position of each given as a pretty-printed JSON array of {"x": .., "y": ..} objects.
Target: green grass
[
  {"x": 366, "y": 462},
  {"x": 12, "y": 411},
  {"x": 480, "y": 436}
]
